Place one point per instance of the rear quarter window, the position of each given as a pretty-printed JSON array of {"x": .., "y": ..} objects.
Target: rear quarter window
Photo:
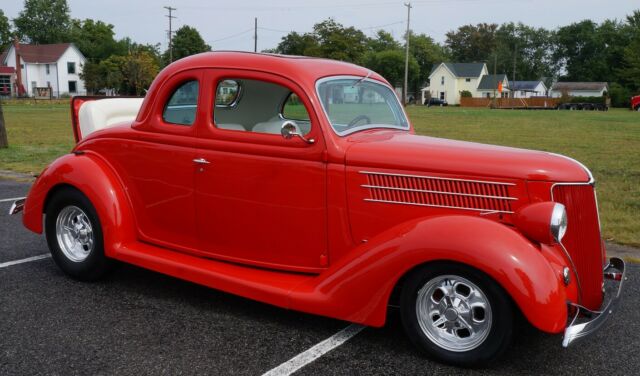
[{"x": 182, "y": 106}]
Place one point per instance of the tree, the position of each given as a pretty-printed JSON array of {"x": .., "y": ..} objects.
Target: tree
[
  {"x": 472, "y": 43},
  {"x": 186, "y": 42},
  {"x": 390, "y": 65},
  {"x": 329, "y": 39},
  {"x": 5, "y": 30},
  {"x": 383, "y": 41},
  {"x": 138, "y": 69},
  {"x": 43, "y": 21},
  {"x": 95, "y": 39},
  {"x": 297, "y": 44},
  {"x": 339, "y": 43}
]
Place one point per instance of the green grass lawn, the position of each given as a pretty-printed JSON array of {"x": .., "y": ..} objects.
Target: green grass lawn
[{"x": 607, "y": 142}]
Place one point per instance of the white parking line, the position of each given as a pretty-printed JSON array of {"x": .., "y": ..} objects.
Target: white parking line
[
  {"x": 11, "y": 199},
  {"x": 28, "y": 259},
  {"x": 302, "y": 359}
]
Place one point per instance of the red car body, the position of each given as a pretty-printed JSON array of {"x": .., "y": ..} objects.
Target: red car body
[
  {"x": 635, "y": 103},
  {"x": 330, "y": 227}
]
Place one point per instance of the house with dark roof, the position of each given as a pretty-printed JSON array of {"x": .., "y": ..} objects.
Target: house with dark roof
[
  {"x": 528, "y": 89},
  {"x": 579, "y": 89},
  {"x": 56, "y": 67},
  {"x": 448, "y": 80}
]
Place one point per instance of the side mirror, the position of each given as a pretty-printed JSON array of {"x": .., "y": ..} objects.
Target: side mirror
[{"x": 290, "y": 129}]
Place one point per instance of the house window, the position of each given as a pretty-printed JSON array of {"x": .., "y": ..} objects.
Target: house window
[
  {"x": 467, "y": 80},
  {"x": 442, "y": 95},
  {"x": 46, "y": 67},
  {"x": 48, "y": 83},
  {"x": 488, "y": 95},
  {"x": 73, "y": 87},
  {"x": 71, "y": 67},
  {"x": 442, "y": 81}
]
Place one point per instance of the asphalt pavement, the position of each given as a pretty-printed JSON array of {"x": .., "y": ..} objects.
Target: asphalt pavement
[{"x": 140, "y": 322}]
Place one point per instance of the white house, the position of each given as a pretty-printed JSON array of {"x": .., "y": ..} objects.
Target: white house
[
  {"x": 447, "y": 80},
  {"x": 528, "y": 89},
  {"x": 54, "y": 66},
  {"x": 579, "y": 89}
]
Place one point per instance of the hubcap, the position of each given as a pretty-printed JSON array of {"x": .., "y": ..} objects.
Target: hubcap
[
  {"x": 74, "y": 233},
  {"x": 453, "y": 313}
]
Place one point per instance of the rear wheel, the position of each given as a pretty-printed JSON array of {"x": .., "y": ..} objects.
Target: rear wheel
[
  {"x": 74, "y": 236},
  {"x": 456, "y": 314}
]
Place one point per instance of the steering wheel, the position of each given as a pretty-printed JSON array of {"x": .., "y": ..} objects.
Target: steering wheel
[{"x": 358, "y": 118}]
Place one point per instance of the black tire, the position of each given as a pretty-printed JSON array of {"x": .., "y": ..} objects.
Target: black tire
[
  {"x": 501, "y": 315},
  {"x": 95, "y": 265}
]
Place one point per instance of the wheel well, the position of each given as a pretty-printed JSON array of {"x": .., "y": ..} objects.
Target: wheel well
[
  {"x": 54, "y": 191},
  {"x": 394, "y": 299}
]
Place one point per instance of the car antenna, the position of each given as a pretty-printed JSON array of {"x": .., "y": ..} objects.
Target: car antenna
[{"x": 363, "y": 78}]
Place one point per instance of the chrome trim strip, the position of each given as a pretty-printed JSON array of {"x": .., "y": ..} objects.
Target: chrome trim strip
[
  {"x": 439, "y": 206},
  {"x": 595, "y": 195},
  {"x": 435, "y": 177},
  {"x": 17, "y": 206},
  {"x": 592, "y": 180},
  {"x": 573, "y": 331},
  {"x": 438, "y": 192},
  {"x": 575, "y": 270}
]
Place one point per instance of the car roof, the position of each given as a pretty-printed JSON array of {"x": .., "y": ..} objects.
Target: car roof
[{"x": 298, "y": 68}]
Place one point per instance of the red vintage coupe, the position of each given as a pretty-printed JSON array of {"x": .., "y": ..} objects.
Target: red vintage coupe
[{"x": 300, "y": 182}]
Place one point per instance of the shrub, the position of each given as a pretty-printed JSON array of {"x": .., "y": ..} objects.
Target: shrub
[{"x": 465, "y": 94}]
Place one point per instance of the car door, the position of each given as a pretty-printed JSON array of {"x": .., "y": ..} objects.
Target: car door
[
  {"x": 260, "y": 198},
  {"x": 156, "y": 164}
]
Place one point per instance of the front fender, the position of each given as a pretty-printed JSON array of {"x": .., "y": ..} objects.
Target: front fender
[
  {"x": 357, "y": 288},
  {"x": 95, "y": 179}
]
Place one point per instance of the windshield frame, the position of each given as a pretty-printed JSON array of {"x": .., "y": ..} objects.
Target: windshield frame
[{"x": 365, "y": 126}]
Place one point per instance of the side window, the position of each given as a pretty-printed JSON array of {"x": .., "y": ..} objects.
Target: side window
[
  {"x": 182, "y": 106},
  {"x": 293, "y": 109},
  {"x": 257, "y": 106}
]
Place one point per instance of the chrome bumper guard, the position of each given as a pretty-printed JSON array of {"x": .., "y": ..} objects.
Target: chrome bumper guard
[
  {"x": 17, "y": 206},
  {"x": 615, "y": 271}
]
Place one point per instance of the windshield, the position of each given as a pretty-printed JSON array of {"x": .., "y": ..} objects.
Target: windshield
[{"x": 355, "y": 103}]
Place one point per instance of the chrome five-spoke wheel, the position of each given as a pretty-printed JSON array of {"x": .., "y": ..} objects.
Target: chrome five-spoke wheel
[
  {"x": 456, "y": 313},
  {"x": 74, "y": 233},
  {"x": 453, "y": 313}
]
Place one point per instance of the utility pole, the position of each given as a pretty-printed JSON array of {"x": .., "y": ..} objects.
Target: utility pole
[
  {"x": 515, "y": 54},
  {"x": 255, "y": 35},
  {"x": 495, "y": 74},
  {"x": 406, "y": 56},
  {"x": 171, "y": 17}
]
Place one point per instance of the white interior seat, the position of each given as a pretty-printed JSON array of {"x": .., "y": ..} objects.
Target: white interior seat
[{"x": 103, "y": 113}]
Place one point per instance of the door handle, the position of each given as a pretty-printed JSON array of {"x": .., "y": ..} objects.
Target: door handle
[{"x": 201, "y": 161}]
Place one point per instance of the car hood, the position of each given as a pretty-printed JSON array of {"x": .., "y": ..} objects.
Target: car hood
[{"x": 404, "y": 151}]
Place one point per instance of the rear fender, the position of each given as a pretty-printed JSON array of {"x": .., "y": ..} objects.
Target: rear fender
[
  {"x": 357, "y": 288},
  {"x": 95, "y": 179}
]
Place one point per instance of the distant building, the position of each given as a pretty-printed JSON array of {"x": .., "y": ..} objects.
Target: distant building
[
  {"x": 447, "y": 80},
  {"x": 528, "y": 89},
  {"x": 55, "y": 67},
  {"x": 579, "y": 89},
  {"x": 7, "y": 78}
]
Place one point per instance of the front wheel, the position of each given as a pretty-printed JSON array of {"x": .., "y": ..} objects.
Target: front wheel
[
  {"x": 456, "y": 314},
  {"x": 74, "y": 236}
]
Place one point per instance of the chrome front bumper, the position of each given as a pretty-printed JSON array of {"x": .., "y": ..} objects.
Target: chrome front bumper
[
  {"x": 17, "y": 206},
  {"x": 615, "y": 271}
]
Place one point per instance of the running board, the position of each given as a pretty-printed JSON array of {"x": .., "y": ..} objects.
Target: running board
[{"x": 267, "y": 286}]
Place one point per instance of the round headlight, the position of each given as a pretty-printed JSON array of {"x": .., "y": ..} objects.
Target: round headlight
[{"x": 558, "y": 223}]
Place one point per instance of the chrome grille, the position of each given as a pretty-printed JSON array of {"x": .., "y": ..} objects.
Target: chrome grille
[{"x": 484, "y": 196}]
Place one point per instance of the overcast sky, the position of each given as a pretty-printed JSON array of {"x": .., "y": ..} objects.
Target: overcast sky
[{"x": 228, "y": 25}]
